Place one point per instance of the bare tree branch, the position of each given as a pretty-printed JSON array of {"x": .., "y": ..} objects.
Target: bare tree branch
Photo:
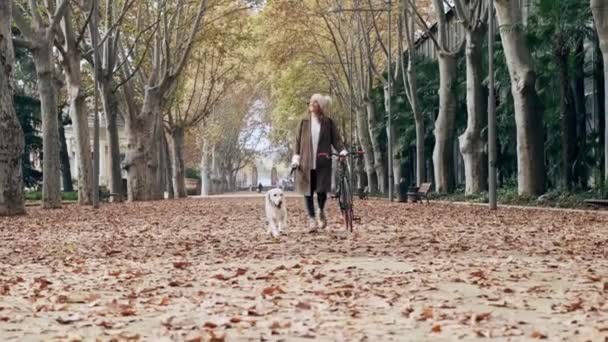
[
  {"x": 59, "y": 13},
  {"x": 85, "y": 25},
  {"x": 24, "y": 27},
  {"x": 181, "y": 63}
]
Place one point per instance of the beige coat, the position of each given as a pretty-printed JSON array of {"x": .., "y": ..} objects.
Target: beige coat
[{"x": 328, "y": 137}]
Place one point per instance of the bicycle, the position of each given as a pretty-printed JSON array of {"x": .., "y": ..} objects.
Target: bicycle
[{"x": 344, "y": 188}]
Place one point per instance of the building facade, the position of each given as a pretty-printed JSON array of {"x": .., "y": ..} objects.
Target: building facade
[{"x": 104, "y": 148}]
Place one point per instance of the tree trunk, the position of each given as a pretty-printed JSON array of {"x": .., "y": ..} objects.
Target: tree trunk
[
  {"x": 141, "y": 161},
  {"x": 163, "y": 183},
  {"x": 177, "y": 162},
  {"x": 64, "y": 156},
  {"x": 51, "y": 166},
  {"x": 232, "y": 181},
  {"x": 366, "y": 147},
  {"x": 567, "y": 116},
  {"x": 109, "y": 102},
  {"x": 80, "y": 125},
  {"x": 528, "y": 109},
  {"x": 396, "y": 162},
  {"x": 599, "y": 105},
  {"x": 205, "y": 169},
  {"x": 600, "y": 15},
  {"x": 420, "y": 161},
  {"x": 471, "y": 144},
  {"x": 12, "y": 200},
  {"x": 443, "y": 157},
  {"x": 578, "y": 89},
  {"x": 598, "y": 111},
  {"x": 168, "y": 169},
  {"x": 375, "y": 133},
  {"x": 418, "y": 121},
  {"x": 360, "y": 167}
]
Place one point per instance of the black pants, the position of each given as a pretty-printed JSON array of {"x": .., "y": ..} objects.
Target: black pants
[{"x": 321, "y": 196}]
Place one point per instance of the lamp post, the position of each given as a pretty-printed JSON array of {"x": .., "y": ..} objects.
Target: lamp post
[
  {"x": 391, "y": 176},
  {"x": 492, "y": 174},
  {"x": 96, "y": 117}
]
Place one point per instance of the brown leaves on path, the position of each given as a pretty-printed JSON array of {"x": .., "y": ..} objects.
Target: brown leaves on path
[{"x": 204, "y": 270}]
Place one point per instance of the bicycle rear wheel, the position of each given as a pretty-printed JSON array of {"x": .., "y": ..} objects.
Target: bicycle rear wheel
[{"x": 346, "y": 203}]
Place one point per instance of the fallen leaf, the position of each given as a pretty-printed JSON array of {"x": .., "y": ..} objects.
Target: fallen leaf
[
  {"x": 129, "y": 336},
  {"x": 114, "y": 273},
  {"x": 69, "y": 318},
  {"x": 476, "y": 318},
  {"x": 42, "y": 282},
  {"x": 478, "y": 274},
  {"x": 164, "y": 301},
  {"x": 217, "y": 336},
  {"x": 210, "y": 325},
  {"x": 427, "y": 313},
  {"x": 537, "y": 334},
  {"x": 180, "y": 265},
  {"x": 220, "y": 276},
  {"x": 319, "y": 276},
  {"x": 105, "y": 324},
  {"x": 194, "y": 337},
  {"x": 271, "y": 291},
  {"x": 407, "y": 312},
  {"x": 303, "y": 306},
  {"x": 127, "y": 310},
  {"x": 4, "y": 289},
  {"x": 483, "y": 333}
]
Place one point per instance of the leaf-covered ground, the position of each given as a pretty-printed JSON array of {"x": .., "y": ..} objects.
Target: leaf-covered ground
[{"x": 204, "y": 270}]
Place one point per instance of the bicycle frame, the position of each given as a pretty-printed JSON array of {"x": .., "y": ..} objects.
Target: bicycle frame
[{"x": 344, "y": 187}]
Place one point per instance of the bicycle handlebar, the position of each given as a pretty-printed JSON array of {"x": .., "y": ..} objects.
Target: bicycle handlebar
[{"x": 329, "y": 155}]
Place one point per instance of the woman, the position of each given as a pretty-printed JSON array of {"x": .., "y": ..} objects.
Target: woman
[{"x": 316, "y": 134}]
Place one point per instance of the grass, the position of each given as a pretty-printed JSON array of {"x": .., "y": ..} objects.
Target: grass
[
  {"x": 509, "y": 196},
  {"x": 37, "y": 196}
]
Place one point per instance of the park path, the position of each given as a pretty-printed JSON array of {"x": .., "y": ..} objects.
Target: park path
[{"x": 202, "y": 269}]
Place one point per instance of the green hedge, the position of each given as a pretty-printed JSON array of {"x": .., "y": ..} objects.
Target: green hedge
[{"x": 37, "y": 196}]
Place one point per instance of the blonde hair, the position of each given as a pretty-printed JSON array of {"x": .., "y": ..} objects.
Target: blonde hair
[{"x": 323, "y": 101}]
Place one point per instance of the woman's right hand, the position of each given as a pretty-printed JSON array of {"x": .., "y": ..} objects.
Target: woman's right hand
[{"x": 295, "y": 161}]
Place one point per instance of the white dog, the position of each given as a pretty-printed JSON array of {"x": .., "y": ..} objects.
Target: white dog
[{"x": 276, "y": 212}]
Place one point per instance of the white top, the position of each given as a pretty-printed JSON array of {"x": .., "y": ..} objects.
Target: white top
[{"x": 315, "y": 131}]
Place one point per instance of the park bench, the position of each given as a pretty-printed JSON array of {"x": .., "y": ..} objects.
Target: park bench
[
  {"x": 363, "y": 193},
  {"x": 105, "y": 194},
  {"x": 597, "y": 202},
  {"x": 417, "y": 194}
]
